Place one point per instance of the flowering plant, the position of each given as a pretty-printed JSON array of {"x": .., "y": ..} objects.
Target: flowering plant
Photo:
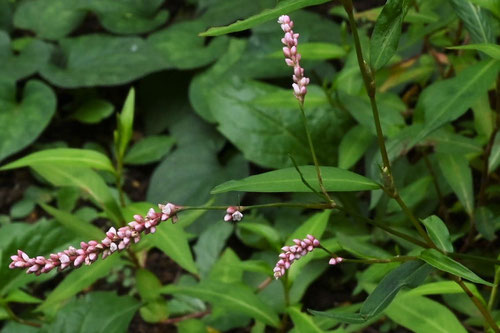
[{"x": 364, "y": 153}]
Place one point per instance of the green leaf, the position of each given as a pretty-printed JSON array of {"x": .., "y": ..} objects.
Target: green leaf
[
  {"x": 476, "y": 21},
  {"x": 285, "y": 6},
  {"x": 491, "y": 5},
  {"x": 409, "y": 274},
  {"x": 240, "y": 299},
  {"x": 22, "y": 122},
  {"x": 19, "y": 296},
  {"x": 438, "y": 232},
  {"x": 182, "y": 48},
  {"x": 266, "y": 231},
  {"x": 125, "y": 124},
  {"x": 149, "y": 149},
  {"x": 345, "y": 317},
  {"x": 387, "y": 31},
  {"x": 302, "y": 322},
  {"x": 360, "y": 248},
  {"x": 64, "y": 157},
  {"x": 100, "y": 60},
  {"x": 128, "y": 17},
  {"x": 93, "y": 111},
  {"x": 445, "y": 101},
  {"x": 442, "y": 288},
  {"x": 172, "y": 240},
  {"x": 316, "y": 51},
  {"x": 288, "y": 180},
  {"x": 412, "y": 194},
  {"x": 148, "y": 285},
  {"x": 39, "y": 16},
  {"x": 76, "y": 281},
  {"x": 72, "y": 222},
  {"x": 154, "y": 311},
  {"x": 98, "y": 312},
  {"x": 485, "y": 222},
  {"x": 210, "y": 244},
  {"x": 455, "y": 169},
  {"x": 493, "y": 50},
  {"x": 24, "y": 62},
  {"x": 353, "y": 145},
  {"x": 446, "y": 264},
  {"x": 494, "y": 160},
  {"x": 422, "y": 315},
  {"x": 85, "y": 179}
]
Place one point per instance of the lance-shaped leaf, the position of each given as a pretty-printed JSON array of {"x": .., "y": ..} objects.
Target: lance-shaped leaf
[
  {"x": 476, "y": 20},
  {"x": 438, "y": 232},
  {"x": 446, "y": 264},
  {"x": 387, "y": 31},
  {"x": 492, "y": 50},
  {"x": 288, "y": 180}
]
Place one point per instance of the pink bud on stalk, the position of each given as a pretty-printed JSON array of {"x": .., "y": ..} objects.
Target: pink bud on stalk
[
  {"x": 335, "y": 261},
  {"x": 294, "y": 252},
  {"x": 116, "y": 240},
  {"x": 233, "y": 213},
  {"x": 292, "y": 58}
]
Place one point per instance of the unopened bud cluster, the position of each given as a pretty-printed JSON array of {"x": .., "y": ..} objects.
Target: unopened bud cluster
[
  {"x": 292, "y": 57},
  {"x": 116, "y": 240},
  {"x": 294, "y": 252},
  {"x": 233, "y": 214}
]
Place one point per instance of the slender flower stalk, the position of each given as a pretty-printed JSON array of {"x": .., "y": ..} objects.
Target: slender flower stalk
[
  {"x": 294, "y": 252},
  {"x": 116, "y": 240}
]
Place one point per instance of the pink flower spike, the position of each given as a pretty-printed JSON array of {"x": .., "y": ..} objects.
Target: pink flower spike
[{"x": 292, "y": 253}]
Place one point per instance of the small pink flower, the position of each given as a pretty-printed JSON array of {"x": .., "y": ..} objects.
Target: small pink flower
[
  {"x": 292, "y": 57},
  {"x": 335, "y": 261},
  {"x": 233, "y": 213},
  {"x": 294, "y": 252}
]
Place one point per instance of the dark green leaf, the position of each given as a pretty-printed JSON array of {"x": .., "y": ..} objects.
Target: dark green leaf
[
  {"x": 353, "y": 145},
  {"x": 438, "y": 232},
  {"x": 455, "y": 169},
  {"x": 485, "y": 222},
  {"x": 387, "y": 31},
  {"x": 345, "y": 317},
  {"x": 22, "y": 122},
  {"x": 64, "y": 157},
  {"x": 100, "y": 60},
  {"x": 477, "y": 21},
  {"x": 288, "y": 180},
  {"x": 302, "y": 321},
  {"x": 210, "y": 244},
  {"x": 148, "y": 150},
  {"x": 446, "y": 264},
  {"x": 283, "y": 7},
  {"x": 240, "y": 299},
  {"x": 409, "y": 274},
  {"x": 98, "y": 312}
]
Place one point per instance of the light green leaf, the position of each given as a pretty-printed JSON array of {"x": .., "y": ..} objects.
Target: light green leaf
[
  {"x": 443, "y": 288},
  {"x": 125, "y": 124},
  {"x": 288, "y": 180},
  {"x": 409, "y": 274},
  {"x": 148, "y": 150},
  {"x": 72, "y": 222},
  {"x": 22, "y": 122},
  {"x": 285, "y": 6},
  {"x": 491, "y": 5},
  {"x": 85, "y": 179},
  {"x": 446, "y": 264},
  {"x": 455, "y": 169},
  {"x": 387, "y": 31},
  {"x": 422, "y": 315},
  {"x": 93, "y": 111},
  {"x": 172, "y": 240},
  {"x": 494, "y": 160},
  {"x": 438, "y": 232},
  {"x": 445, "y": 101},
  {"x": 266, "y": 231},
  {"x": 302, "y": 322},
  {"x": 19, "y": 296},
  {"x": 476, "y": 21},
  {"x": 76, "y": 281},
  {"x": 148, "y": 285},
  {"x": 493, "y": 50},
  {"x": 97, "y": 312},
  {"x": 412, "y": 194},
  {"x": 353, "y": 145},
  {"x": 64, "y": 157},
  {"x": 240, "y": 299}
]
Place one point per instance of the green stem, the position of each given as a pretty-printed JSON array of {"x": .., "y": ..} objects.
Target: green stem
[
  {"x": 494, "y": 290},
  {"x": 480, "y": 306},
  {"x": 269, "y": 205},
  {"x": 381, "y": 261},
  {"x": 119, "y": 177},
  {"x": 315, "y": 159},
  {"x": 15, "y": 318},
  {"x": 302, "y": 177}
]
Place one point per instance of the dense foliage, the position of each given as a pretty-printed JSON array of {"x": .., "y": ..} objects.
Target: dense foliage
[{"x": 390, "y": 165}]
